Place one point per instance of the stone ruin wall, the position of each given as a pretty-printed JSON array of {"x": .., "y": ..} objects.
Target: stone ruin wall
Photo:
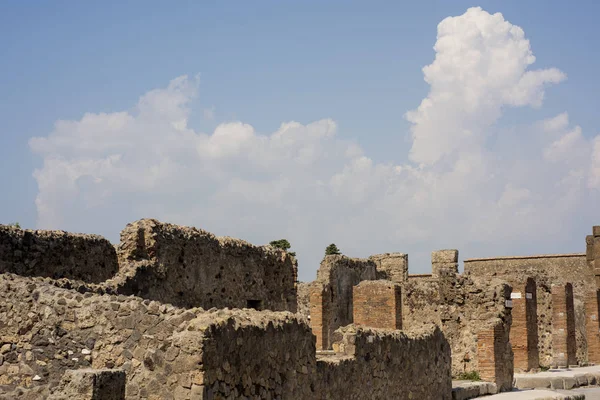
[
  {"x": 546, "y": 271},
  {"x": 189, "y": 267},
  {"x": 391, "y": 266},
  {"x": 418, "y": 359},
  {"x": 173, "y": 353},
  {"x": 460, "y": 306},
  {"x": 336, "y": 278},
  {"x": 183, "y": 266},
  {"x": 56, "y": 254}
]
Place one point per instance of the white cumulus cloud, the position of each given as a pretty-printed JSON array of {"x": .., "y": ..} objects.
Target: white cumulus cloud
[{"x": 309, "y": 184}]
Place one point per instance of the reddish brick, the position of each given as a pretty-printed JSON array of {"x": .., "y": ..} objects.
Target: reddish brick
[
  {"x": 378, "y": 304},
  {"x": 523, "y": 332},
  {"x": 592, "y": 327},
  {"x": 563, "y": 325},
  {"x": 320, "y": 306}
]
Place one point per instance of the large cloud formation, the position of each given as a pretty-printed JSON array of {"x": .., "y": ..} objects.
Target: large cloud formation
[{"x": 469, "y": 184}]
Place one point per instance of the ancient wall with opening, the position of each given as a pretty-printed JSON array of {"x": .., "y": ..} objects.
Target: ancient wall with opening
[
  {"x": 546, "y": 270},
  {"x": 459, "y": 305},
  {"x": 190, "y": 267}
]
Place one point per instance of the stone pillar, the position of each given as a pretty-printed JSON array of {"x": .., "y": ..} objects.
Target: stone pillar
[
  {"x": 592, "y": 327},
  {"x": 495, "y": 356},
  {"x": 90, "y": 384},
  {"x": 444, "y": 263},
  {"x": 378, "y": 304},
  {"x": 444, "y": 267},
  {"x": 391, "y": 266},
  {"x": 524, "y": 330},
  {"x": 320, "y": 308},
  {"x": 563, "y": 326}
]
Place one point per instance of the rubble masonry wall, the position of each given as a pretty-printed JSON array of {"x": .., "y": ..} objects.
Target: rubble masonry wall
[{"x": 56, "y": 254}]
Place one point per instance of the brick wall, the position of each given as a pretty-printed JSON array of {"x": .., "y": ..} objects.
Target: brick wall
[
  {"x": 495, "y": 356},
  {"x": 320, "y": 305},
  {"x": 592, "y": 327},
  {"x": 523, "y": 332},
  {"x": 378, "y": 304},
  {"x": 563, "y": 325}
]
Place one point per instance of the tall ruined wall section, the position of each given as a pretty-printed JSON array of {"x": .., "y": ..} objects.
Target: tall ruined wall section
[
  {"x": 419, "y": 361},
  {"x": 189, "y": 267},
  {"x": 336, "y": 278},
  {"x": 460, "y": 306},
  {"x": 56, "y": 254},
  {"x": 546, "y": 271},
  {"x": 171, "y": 353}
]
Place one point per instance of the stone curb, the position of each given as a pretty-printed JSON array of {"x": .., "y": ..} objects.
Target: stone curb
[
  {"x": 464, "y": 390},
  {"x": 557, "y": 382}
]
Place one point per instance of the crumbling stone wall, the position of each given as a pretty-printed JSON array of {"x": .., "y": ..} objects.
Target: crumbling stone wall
[
  {"x": 546, "y": 270},
  {"x": 172, "y": 353},
  {"x": 460, "y": 306},
  {"x": 391, "y": 266},
  {"x": 189, "y": 267},
  {"x": 45, "y": 330},
  {"x": 56, "y": 254},
  {"x": 332, "y": 291},
  {"x": 376, "y": 364},
  {"x": 303, "y": 296}
]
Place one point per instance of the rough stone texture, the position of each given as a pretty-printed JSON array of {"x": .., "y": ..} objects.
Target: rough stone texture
[
  {"x": 408, "y": 367},
  {"x": 189, "y": 267},
  {"x": 172, "y": 353},
  {"x": 378, "y": 304},
  {"x": 460, "y": 306},
  {"x": 546, "y": 270},
  {"x": 45, "y": 330},
  {"x": 495, "y": 355},
  {"x": 337, "y": 275},
  {"x": 303, "y": 296},
  {"x": 523, "y": 331},
  {"x": 56, "y": 254},
  {"x": 391, "y": 266},
  {"x": 90, "y": 384}
]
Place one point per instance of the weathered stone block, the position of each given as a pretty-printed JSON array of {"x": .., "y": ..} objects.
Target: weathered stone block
[
  {"x": 91, "y": 384},
  {"x": 444, "y": 256}
]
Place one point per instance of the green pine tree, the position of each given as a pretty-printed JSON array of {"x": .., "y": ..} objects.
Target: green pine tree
[
  {"x": 331, "y": 250},
  {"x": 283, "y": 244}
]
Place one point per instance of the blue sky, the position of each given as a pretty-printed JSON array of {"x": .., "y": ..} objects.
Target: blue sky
[{"x": 268, "y": 62}]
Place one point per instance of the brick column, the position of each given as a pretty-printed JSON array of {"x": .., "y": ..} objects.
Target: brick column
[
  {"x": 495, "y": 357},
  {"x": 592, "y": 327},
  {"x": 320, "y": 308},
  {"x": 563, "y": 326},
  {"x": 593, "y": 256},
  {"x": 523, "y": 331},
  {"x": 378, "y": 304}
]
